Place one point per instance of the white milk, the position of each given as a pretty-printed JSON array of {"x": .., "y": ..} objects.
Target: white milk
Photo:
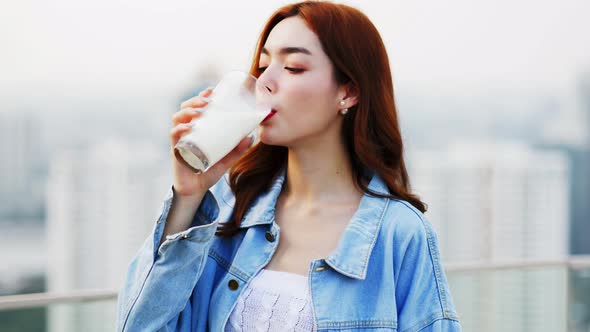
[{"x": 214, "y": 134}]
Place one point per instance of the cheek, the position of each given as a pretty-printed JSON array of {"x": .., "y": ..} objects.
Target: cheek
[
  {"x": 300, "y": 91},
  {"x": 307, "y": 108},
  {"x": 308, "y": 95}
]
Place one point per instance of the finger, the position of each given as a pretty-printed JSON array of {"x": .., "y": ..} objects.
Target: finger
[
  {"x": 185, "y": 115},
  {"x": 178, "y": 131},
  {"x": 198, "y": 100},
  {"x": 207, "y": 92},
  {"x": 195, "y": 102}
]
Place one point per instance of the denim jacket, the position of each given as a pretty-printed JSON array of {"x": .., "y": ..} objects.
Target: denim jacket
[{"x": 384, "y": 275}]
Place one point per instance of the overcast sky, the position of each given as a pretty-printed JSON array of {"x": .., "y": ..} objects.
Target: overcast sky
[{"x": 74, "y": 47}]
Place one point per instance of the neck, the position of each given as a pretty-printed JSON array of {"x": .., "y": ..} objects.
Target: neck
[{"x": 319, "y": 173}]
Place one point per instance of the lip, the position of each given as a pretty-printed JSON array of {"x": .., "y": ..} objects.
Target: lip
[{"x": 272, "y": 112}]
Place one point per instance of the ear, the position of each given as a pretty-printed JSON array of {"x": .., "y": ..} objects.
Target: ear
[{"x": 349, "y": 93}]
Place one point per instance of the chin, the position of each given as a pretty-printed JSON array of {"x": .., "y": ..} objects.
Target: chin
[{"x": 269, "y": 136}]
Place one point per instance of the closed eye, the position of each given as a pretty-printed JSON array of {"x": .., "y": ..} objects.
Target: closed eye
[
  {"x": 294, "y": 70},
  {"x": 291, "y": 69}
]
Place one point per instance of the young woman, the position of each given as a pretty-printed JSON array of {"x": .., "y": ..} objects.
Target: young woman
[{"x": 314, "y": 227}]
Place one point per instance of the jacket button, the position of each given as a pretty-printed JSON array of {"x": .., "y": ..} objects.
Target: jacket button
[
  {"x": 320, "y": 268},
  {"x": 233, "y": 284},
  {"x": 269, "y": 237}
]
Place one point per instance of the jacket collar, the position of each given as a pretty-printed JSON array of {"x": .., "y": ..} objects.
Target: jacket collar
[{"x": 352, "y": 255}]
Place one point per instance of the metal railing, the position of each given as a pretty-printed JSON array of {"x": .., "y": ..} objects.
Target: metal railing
[
  {"x": 24, "y": 301},
  {"x": 572, "y": 262}
]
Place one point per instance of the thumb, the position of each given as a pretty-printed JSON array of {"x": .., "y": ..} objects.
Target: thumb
[{"x": 226, "y": 162}]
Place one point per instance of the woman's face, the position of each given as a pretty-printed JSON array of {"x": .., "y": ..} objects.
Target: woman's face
[{"x": 299, "y": 76}]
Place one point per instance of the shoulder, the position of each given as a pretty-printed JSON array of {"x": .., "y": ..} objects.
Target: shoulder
[
  {"x": 408, "y": 234},
  {"x": 403, "y": 223},
  {"x": 416, "y": 262}
]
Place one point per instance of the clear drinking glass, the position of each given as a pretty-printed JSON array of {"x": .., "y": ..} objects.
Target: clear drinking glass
[{"x": 237, "y": 106}]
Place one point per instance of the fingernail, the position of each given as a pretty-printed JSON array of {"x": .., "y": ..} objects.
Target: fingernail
[
  {"x": 251, "y": 140},
  {"x": 205, "y": 99}
]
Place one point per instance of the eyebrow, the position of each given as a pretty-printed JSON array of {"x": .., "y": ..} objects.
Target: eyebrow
[{"x": 288, "y": 50}]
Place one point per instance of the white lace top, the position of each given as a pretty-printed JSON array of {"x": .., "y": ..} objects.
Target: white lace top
[{"x": 273, "y": 301}]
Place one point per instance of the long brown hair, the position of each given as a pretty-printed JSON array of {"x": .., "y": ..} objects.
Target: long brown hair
[{"x": 371, "y": 129}]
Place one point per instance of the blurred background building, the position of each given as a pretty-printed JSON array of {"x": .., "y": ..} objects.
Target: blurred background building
[
  {"x": 20, "y": 196},
  {"x": 494, "y": 102},
  {"x": 101, "y": 202},
  {"x": 498, "y": 202}
]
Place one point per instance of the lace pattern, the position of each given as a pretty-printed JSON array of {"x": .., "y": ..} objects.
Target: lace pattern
[{"x": 273, "y": 301}]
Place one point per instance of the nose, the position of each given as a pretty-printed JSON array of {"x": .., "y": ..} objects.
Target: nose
[{"x": 267, "y": 81}]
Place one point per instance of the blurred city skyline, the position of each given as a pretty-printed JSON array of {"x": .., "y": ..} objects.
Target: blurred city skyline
[{"x": 494, "y": 107}]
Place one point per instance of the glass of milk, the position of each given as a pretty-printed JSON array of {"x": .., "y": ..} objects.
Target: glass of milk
[{"x": 237, "y": 106}]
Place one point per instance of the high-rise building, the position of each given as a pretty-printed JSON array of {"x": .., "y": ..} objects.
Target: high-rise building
[
  {"x": 20, "y": 188},
  {"x": 101, "y": 204},
  {"x": 580, "y": 190},
  {"x": 495, "y": 203},
  {"x": 570, "y": 134},
  {"x": 584, "y": 96}
]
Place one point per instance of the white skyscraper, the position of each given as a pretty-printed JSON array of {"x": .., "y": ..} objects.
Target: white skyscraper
[
  {"x": 101, "y": 204},
  {"x": 19, "y": 146},
  {"x": 493, "y": 203}
]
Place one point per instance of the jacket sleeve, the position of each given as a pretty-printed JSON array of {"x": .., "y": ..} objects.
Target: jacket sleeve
[
  {"x": 442, "y": 325},
  {"x": 159, "y": 281},
  {"x": 423, "y": 298}
]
